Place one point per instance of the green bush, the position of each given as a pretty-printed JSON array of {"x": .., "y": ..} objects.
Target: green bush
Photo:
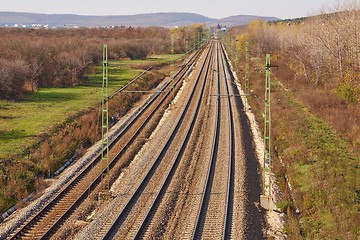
[{"x": 348, "y": 92}]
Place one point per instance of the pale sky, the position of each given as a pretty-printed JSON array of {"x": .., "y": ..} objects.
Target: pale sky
[{"x": 209, "y": 8}]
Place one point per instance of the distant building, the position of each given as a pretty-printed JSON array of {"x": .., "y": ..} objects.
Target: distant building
[{"x": 223, "y": 29}]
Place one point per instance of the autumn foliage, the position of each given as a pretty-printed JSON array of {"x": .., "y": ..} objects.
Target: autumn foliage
[
  {"x": 31, "y": 58},
  {"x": 315, "y": 115}
]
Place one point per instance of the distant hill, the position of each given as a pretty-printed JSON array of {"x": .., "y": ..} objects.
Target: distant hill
[
  {"x": 141, "y": 20},
  {"x": 239, "y": 20}
]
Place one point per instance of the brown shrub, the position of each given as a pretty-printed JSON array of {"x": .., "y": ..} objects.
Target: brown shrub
[{"x": 13, "y": 74}]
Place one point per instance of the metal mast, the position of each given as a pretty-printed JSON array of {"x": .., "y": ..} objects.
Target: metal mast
[
  {"x": 187, "y": 46},
  {"x": 194, "y": 41},
  {"x": 247, "y": 75},
  {"x": 267, "y": 125},
  {"x": 105, "y": 114},
  {"x": 172, "y": 62}
]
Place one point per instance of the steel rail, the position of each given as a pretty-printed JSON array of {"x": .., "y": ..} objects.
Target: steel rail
[
  {"x": 31, "y": 222},
  {"x": 231, "y": 176},
  {"x": 199, "y": 227},
  {"x": 147, "y": 219},
  {"x": 125, "y": 211},
  {"x": 211, "y": 169}
]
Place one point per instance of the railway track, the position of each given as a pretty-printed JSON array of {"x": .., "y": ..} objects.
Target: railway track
[
  {"x": 122, "y": 226},
  {"x": 140, "y": 233},
  {"x": 231, "y": 177},
  {"x": 214, "y": 218},
  {"x": 46, "y": 221},
  {"x": 171, "y": 179}
]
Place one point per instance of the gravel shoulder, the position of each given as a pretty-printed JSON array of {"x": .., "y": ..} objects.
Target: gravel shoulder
[
  {"x": 273, "y": 227},
  {"x": 22, "y": 215}
]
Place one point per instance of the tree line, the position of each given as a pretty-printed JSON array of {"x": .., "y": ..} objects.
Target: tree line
[
  {"x": 35, "y": 58},
  {"x": 32, "y": 59},
  {"x": 324, "y": 49},
  {"x": 315, "y": 115}
]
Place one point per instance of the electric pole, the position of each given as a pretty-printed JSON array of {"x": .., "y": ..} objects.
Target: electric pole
[
  {"x": 105, "y": 117},
  {"x": 247, "y": 75}
]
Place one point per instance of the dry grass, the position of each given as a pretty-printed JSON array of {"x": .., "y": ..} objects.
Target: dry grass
[
  {"x": 316, "y": 135},
  {"x": 21, "y": 175}
]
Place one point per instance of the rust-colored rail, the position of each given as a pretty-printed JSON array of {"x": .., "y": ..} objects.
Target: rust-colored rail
[{"x": 44, "y": 223}]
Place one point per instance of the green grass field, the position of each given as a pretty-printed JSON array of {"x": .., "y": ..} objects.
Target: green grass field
[{"x": 22, "y": 121}]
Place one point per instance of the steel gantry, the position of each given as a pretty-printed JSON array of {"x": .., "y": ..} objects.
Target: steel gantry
[
  {"x": 266, "y": 200},
  {"x": 105, "y": 114},
  {"x": 187, "y": 47},
  {"x": 247, "y": 75},
  {"x": 267, "y": 120}
]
